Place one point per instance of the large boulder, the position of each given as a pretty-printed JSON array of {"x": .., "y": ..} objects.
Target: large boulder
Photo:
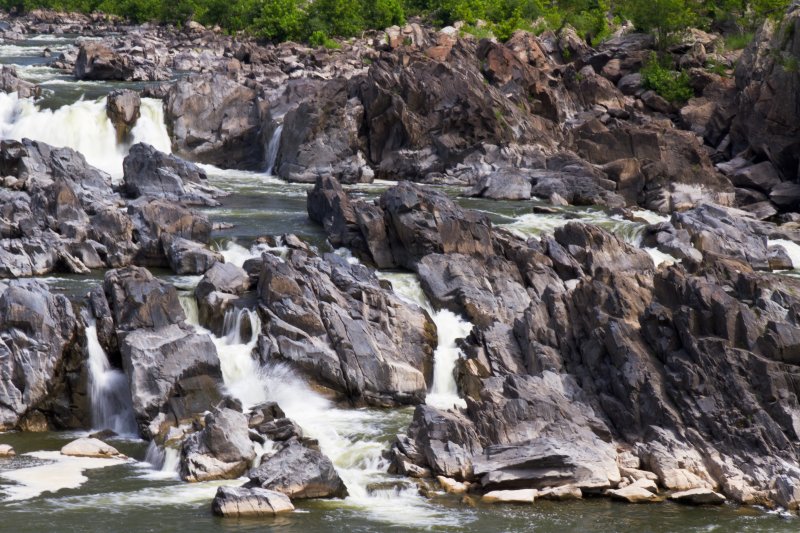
[
  {"x": 123, "y": 107},
  {"x": 157, "y": 221},
  {"x": 343, "y": 328},
  {"x": 299, "y": 473},
  {"x": 38, "y": 329},
  {"x": 222, "y": 450},
  {"x": 243, "y": 502},
  {"x": 215, "y": 120}
]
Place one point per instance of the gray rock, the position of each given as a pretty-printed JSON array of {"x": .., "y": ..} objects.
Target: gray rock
[
  {"x": 222, "y": 450},
  {"x": 248, "y": 503},
  {"x": 698, "y": 497},
  {"x": 299, "y": 473},
  {"x": 123, "y": 107},
  {"x": 502, "y": 186}
]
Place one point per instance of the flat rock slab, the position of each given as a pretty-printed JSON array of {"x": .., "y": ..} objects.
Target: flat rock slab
[
  {"x": 510, "y": 496},
  {"x": 698, "y": 497},
  {"x": 249, "y": 502},
  {"x": 633, "y": 494},
  {"x": 89, "y": 447}
]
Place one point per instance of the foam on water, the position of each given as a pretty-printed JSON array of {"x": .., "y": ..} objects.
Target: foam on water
[
  {"x": 83, "y": 126},
  {"x": 61, "y": 472}
]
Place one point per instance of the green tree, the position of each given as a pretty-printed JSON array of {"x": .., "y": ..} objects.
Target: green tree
[
  {"x": 281, "y": 20},
  {"x": 660, "y": 17}
]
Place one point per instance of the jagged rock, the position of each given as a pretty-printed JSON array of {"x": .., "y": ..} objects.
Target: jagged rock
[
  {"x": 123, "y": 107},
  {"x": 155, "y": 220},
  {"x": 215, "y": 120},
  {"x": 698, "y": 497},
  {"x": 189, "y": 257},
  {"x": 299, "y": 473},
  {"x": 247, "y": 503},
  {"x": 221, "y": 285},
  {"x": 761, "y": 176},
  {"x": 222, "y": 450},
  {"x": 89, "y": 447},
  {"x": 37, "y": 328},
  {"x": 330, "y": 319},
  {"x": 138, "y": 300}
]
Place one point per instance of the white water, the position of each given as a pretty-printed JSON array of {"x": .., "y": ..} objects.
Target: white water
[
  {"x": 791, "y": 248},
  {"x": 237, "y": 254},
  {"x": 59, "y": 472},
  {"x": 82, "y": 126},
  {"x": 450, "y": 327},
  {"x": 272, "y": 149},
  {"x": 109, "y": 392}
]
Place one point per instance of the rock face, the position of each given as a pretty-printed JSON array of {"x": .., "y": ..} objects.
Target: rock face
[
  {"x": 112, "y": 60},
  {"x": 249, "y": 503},
  {"x": 215, "y": 120},
  {"x": 148, "y": 172},
  {"x": 222, "y": 450},
  {"x": 38, "y": 329},
  {"x": 339, "y": 325},
  {"x": 766, "y": 121},
  {"x": 173, "y": 372},
  {"x": 582, "y": 348},
  {"x": 124, "y": 109},
  {"x": 299, "y": 473}
]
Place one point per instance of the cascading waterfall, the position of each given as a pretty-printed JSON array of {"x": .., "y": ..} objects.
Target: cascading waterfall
[
  {"x": 83, "y": 126},
  {"x": 272, "y": 149},
  {"x": 450, "y": 328},
  {"x": 351, "y": 438},
  {"x": 110, "y": 395}
]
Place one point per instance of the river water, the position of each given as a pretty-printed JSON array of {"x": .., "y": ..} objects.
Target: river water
[{"x": 41, "y": 491}]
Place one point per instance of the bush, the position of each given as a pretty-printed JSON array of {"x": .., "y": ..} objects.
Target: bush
[
  {"x": 281, "y": 20},
  {"x": 660, "y": 17},
  {"x": 669, "y": 84},
  {"x": 738, "y": 41}
]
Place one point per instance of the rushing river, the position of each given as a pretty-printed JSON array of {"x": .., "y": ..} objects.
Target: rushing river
[{"x": 41, "y": 491}]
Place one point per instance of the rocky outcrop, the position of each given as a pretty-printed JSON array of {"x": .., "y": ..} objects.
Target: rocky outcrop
[
  {"x": 340, "y": 326},
  {"x": 11, "y": 83},
  {"x": 118, "y": 60},
  {"x": 222, "y": 450},
  {"x": 38, "y": 329},
  {"x": 249, "y": 503},
  {"x": 148, "y": 172},
  {"x": 173, "y": 372},
  {"x": 215, "y": 120},
  {"x": 766, "y": 123},
  {"x": 299, "y": 473}
]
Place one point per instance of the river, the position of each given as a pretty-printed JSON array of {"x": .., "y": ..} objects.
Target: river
[{"x": 41, "y": 492}]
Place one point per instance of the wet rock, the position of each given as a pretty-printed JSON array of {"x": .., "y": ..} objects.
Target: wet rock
[
  {"x": 222, "y": 450},
  {"x": 787, "y": 491},
  {"x": 189, "y": 257},
  {"x": 563, "y": 493},
  {"x": 249, "y": 502},
  {"x": 11, "y": 83},
  {"x": 123, "y": 107},
  {"x": 215, "y": 120},
  {"x": 299, "y": 473},
  {"x": 451, "y": 485},
  {"x": 220, "y": 287},
  {"x": 698, "y": 497},
  {"x": 139, "y": 300},
  {"x": 510, "y": 496},
  {"x": 502, "y": 186},
  {"x": 156, "y": 220},
  {"x": 89, "y": 447}
]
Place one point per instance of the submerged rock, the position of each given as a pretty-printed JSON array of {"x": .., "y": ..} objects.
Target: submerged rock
[{"x": 249, "y": 502}]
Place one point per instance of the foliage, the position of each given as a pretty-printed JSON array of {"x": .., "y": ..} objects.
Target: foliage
[
  {"x": 738, "y": 41},
  {"x": 669, "y": 84}
]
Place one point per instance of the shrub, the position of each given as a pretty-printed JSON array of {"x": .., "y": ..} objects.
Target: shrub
[{"x": 671, "y": 85}]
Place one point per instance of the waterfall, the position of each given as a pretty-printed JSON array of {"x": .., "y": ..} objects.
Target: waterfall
[
  {"x": 109, "y": 393},
  {"x": 82, "y": 126},
  {"x": 272, "y": 148},
  {"x": 450, "y": 327}
]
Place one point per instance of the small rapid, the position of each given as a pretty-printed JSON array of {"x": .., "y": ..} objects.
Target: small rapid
[{"x": 82, "y": 126}]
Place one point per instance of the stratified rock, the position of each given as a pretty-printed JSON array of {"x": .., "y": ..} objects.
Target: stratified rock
[
  {"x": 299, "y": 473},
  {"x": 215, "y": 120},
  {"x": 90, "y": 447},
  {"x": 158, "y": 221},
  {"x": 139, "y": 300},
  {"x": 249, "y": 503}
]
